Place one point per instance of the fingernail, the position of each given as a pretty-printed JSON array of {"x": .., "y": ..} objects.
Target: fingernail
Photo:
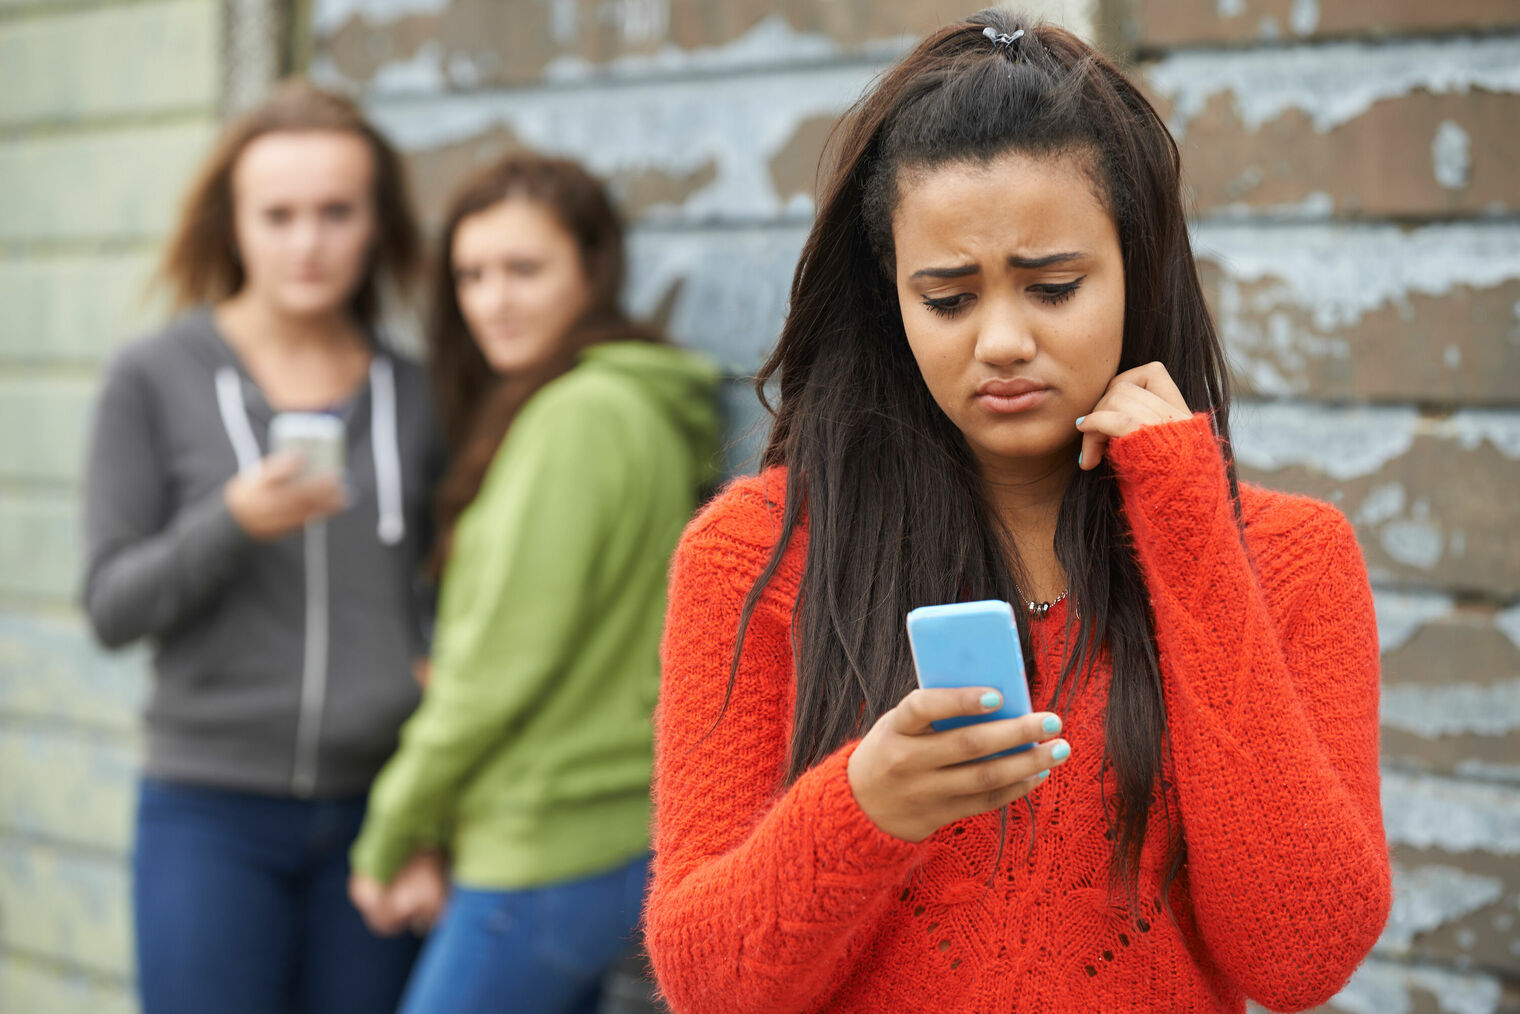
[
  {"x": 1060, "y": 751},
  {"x": 991, "y": 700},
  {"x": 1080, "y": 418},
  {"x": 1042, "y": 775},
  {"x": 1052, "y": 723},
  {"x": 1079, "y": 459}
]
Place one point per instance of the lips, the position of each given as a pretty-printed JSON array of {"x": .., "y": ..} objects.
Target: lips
[{"x": 1007, "y": 397}]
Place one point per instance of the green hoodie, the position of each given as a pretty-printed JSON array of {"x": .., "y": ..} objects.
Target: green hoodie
[{"x": 529, "y": 758}]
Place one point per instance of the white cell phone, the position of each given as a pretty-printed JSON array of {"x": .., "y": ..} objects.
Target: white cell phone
[
  {"x": 971, "y": 644},
  {"x": 316, "y": 436}
]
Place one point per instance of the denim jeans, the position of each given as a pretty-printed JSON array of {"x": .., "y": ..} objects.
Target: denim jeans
[
  {"x": 542, "y": 950},
  {"x": 241, "y": 907}
]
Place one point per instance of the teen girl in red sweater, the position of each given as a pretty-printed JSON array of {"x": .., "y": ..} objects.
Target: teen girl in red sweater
[{"x": 999, "y": 379}]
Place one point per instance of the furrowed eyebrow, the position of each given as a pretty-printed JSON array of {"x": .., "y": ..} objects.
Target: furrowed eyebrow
[
  {"x": 1027, "y": 263},
  {"x": 1046, "y": 261},
  {"x": 960, "y": 272}
]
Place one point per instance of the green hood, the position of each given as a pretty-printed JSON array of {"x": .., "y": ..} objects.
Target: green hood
[{"x": 682, "y": 382}]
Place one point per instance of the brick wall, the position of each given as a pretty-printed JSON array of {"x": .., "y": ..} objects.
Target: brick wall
[
  {"x": 95, "y": 141},
  {"x": 1354, "y": 174}
]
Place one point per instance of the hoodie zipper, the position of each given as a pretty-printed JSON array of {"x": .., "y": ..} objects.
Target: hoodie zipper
[{"x": 303, "y": 781}]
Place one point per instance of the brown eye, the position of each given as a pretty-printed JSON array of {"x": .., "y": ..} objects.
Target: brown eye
[
  {"x": 1055, "y": 295},
  {"x": 948, "y": 306}
]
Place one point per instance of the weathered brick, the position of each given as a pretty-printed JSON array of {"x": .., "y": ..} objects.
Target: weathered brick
[
  {"x": 46, "y": 421},
  {"x": 50, "y": 668},
  {"x": 67, "y": 785},
  {"x": 39, "y": 552},
  {"x": 470, "y": 44},
  {"x": 34, "y": 987},
  {"x": 116, "y": 184},
  {"x": 721, "y": 291},
  {"x": 708, "y": 142},
  {"x": 1432, "y": 499},
  {"x": 66, "y": 905},
  {"x": 73, "y": 308},
  {"x": 1461, "y": 910},
  {"x": 1370, "y": 312},
  {"x": 1162, "y": 23},
  {"x": 103, "y": 50},
  {"x": 1411, "y": 129},
  {"x": 1421, "y": 989}
]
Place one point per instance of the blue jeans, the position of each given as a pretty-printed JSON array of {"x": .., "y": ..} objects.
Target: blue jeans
[
  {"x": 241, "y": 907},
  {"x": 543, "y": 950}
]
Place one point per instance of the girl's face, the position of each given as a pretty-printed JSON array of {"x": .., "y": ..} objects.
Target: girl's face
[
  {"x": 303, "y": 209},
  {"x": 520, "y": 283},
  {"x": 1011, "y": 288}
]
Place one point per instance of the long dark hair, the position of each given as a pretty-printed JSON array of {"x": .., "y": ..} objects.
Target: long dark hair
[
  {"x": 892, "y": 499},
  {"x": 477, "y": 405},
  {"x": 200, "y": 262}
]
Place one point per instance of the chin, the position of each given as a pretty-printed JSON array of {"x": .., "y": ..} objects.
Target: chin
[{"x": 313, "y": 302}]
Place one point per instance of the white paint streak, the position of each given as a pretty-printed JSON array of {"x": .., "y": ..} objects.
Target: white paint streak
[
  {"x": 421, "y": 72},
  {"x": 1335, "y": 83},
  {"x": 1413, "y": 543},
  {"x": 1428, "y": 897},
  {"x": 1450, "y": 709},
  {"x": 1341, "y": 443},
  {"x": 1230, "y": 8},
  {"x": 1439, "y": 813},
  {"x": 1450, "y": 155},
  {"x": 1508, "y": 623},
  {"x": 327, "y": 16},
  {"x": 1381, "y": 987},
  {"x": 1341, "y": 273},
  {"x": 666, "y": 126},
  {"x": 1401, "y": 614},
  {"x": 1502, "y": 429},
  {"x": 1382, "y": 503},
  {"x": 1304, "y": 17},
  {"x": 1452, "y": 357}
]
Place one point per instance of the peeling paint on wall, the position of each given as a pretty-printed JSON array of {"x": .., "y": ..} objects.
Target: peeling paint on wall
[
  {"x": 1381, "y": 987},
  {"x": 1428, "y": 897},
  {"x": 1451, "y": 155},
  {"x": 675, "y": 127},
  {"x": 1341, "y": 443},
  {"x": 1330, "y": 84},
  {"x": 1441, "y": 813},
  {"x": 1446, "y": 709},
  {"x": 328, "y": 15},
  {"x": 1401, "y": 614}
]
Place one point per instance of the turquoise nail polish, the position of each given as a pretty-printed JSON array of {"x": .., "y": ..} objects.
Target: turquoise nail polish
[
  {"x": 1052, "y": 723},
  {"x": 1080, "y": 418},
  {"x": 1042, "y": 775},
  {"x": 1079, "y": 459},
  {"x": 991, "y": 700},
  {"x": 1060, "y": 751}
]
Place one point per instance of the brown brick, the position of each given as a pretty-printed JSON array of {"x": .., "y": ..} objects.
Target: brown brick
[
  {"x": 1161, "y": 23},
  {"x": 1458, "y": 347},
  {"x": 1432, "y": 500},
  {"x": 1382, "y": 163},
  {"x": 1473, "y": 898},
  {"x": 794, "y": 169},
  {"x": 481, "y": 43}
]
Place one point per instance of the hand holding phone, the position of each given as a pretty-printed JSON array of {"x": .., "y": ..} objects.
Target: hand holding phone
[
  {"x": 944, "y": 752},
  {"x": 299, "y": 482}
]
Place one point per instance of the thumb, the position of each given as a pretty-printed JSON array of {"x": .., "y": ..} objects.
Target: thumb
[{"x": 283, "y": 467}]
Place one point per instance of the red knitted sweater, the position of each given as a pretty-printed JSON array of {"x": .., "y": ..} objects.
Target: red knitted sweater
[{"x": 769, "y": 897}]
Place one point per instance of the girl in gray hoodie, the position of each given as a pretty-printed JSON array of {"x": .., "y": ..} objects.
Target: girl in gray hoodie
[{"x": 281, "y": 600}]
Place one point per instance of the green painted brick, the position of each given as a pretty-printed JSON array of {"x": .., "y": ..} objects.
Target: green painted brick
[
  {"x": 39, "y": 550},
  {"x": 30, "y": 987},
  {"x": 67, "y": 905},
  {"x": 98, "y": 185},
  {"x": 46, "y": 422},
  {"x": 67, "y": 785},
  {"x": 51, "y": 668},
  {"x": 74, "y": 308},
  {"x": 91, "y": 63}
]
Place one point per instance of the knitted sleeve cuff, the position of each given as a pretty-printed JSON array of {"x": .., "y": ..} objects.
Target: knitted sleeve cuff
[{"x": 845, "y": 841}]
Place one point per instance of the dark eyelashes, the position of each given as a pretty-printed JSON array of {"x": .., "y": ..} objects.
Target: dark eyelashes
[{"x": 1049, "y": 294}]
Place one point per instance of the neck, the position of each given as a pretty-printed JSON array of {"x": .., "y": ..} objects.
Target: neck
[
  {"x": 245, "y": 315},
  {"x": 1026, "y": 498}
]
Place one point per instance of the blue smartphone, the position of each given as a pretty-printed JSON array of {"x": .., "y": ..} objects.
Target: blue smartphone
[{"x": 971, "y": 644}]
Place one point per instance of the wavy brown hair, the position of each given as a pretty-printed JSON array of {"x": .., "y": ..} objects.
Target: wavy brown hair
[
  {"x": 882, "y": 477},
  {"x": 200, "y": 262},
  {"x": 477, "y": 405}
]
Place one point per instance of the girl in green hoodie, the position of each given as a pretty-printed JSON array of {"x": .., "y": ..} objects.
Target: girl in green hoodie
[{"x": 581, "y": 443}]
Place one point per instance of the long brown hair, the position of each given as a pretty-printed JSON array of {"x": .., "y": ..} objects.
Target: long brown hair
[
  {"x": 200, "y": 262},
  {"x": 476, "y": 405},
  {"x": 883, "y": 491}
]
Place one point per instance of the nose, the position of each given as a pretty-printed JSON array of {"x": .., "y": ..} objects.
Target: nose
[{"x": 1005, "y": 336}]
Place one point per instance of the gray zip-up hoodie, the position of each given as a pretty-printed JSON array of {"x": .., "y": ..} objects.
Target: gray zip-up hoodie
[{"x": 284, "y": 667}]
